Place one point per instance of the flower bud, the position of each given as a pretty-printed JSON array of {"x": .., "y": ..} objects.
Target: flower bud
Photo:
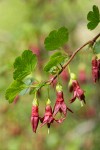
[
  {"x": 60, "y": 105},
  {"x": 34, "y": 118},
  {"x": 48, "y": 116}
]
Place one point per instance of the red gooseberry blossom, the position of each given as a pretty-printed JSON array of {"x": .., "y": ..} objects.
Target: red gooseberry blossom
[
  {"x": 48, "y": 116},
  {"x": 60, "y": 105},
  {"x": 34, "y": 118},
  {"x": 95, "y": 69},
  {"x": 78, "y": 92}
]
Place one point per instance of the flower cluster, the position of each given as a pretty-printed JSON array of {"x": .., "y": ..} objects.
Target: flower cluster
[
  {"x": 60, "y": 105},
  {"x": 49, "y": 115},
  {"x": 95, "y": 69}
]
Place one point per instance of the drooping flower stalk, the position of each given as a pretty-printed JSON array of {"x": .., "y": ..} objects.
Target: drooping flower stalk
[
  {"x": 35, "y": 115},
  {"x": 77, "y": 92},
  {"x": 60, "y": 105},
  {"x": 48, "y": 116}
]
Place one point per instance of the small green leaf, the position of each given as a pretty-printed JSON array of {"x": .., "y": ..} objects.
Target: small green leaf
[
  {"x": 56, "y": 39},
  {"x": 14, "y": 89},
  {"x": 54, "y": 62},
  {"x": 24, "y": 65},
  {"x": 97, "y": 47},
  {"x": 93, "y": 17}
]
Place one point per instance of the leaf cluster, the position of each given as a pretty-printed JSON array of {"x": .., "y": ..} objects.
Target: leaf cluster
[{"x": 23, "y": 68}]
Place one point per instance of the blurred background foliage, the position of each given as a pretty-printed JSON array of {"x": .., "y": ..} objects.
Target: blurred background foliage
[{"x": 24, "y": 24}]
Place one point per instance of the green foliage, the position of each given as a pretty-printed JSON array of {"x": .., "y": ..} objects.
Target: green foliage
[
  {"x": 55, "y": 60},
  {"x": 24, "y": 65},
  {"x": 14, "y": 121},
  {"x": 14, "y": 89},
  {"x": 56, "y": 39},
  {"x": 94, "y": 18},
  {"x": 97, "y": 47}
]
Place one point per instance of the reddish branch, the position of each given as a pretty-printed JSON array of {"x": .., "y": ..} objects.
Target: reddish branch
[{"x": 91, "y": 43}]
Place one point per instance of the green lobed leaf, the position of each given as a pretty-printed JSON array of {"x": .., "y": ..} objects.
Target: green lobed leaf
[
  {"x": 54, "y": 61},
  {"x": 24, "y": 65},
  {"x": 14, "y": 89},
  {"x": 97, "y": 47},
  {"x": 56, "y": 39},
  {"x": 93, "y": 17}
]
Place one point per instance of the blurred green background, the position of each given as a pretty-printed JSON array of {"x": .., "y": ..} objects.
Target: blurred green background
[{"x": 24, "y": 24}]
